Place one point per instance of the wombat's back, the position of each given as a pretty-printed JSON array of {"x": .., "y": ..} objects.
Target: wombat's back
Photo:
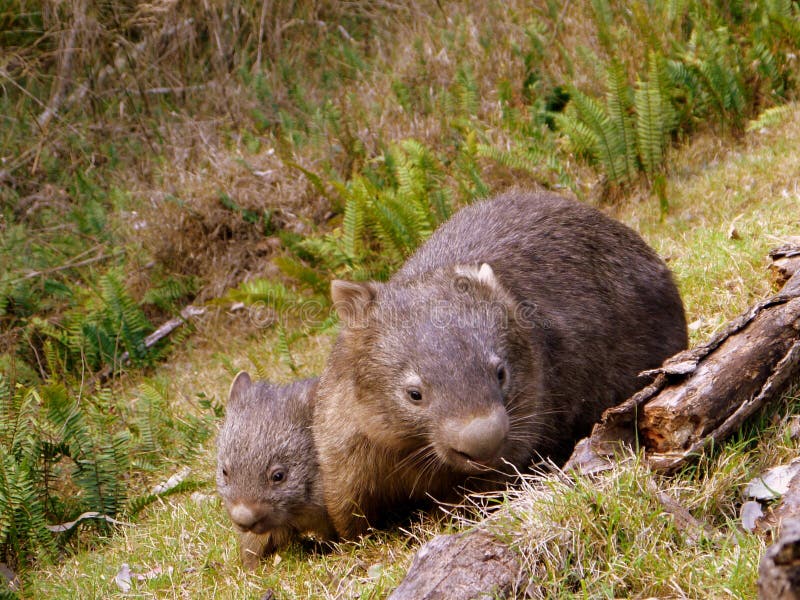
[{"x": 602, "y": 301}]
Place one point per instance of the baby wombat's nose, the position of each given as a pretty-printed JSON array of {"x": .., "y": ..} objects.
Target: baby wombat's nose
[
  {"x": 481, "y": 438},
  {"x": 243, "y": 515}
]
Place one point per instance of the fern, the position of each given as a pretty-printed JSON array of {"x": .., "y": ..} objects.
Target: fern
[
  {"x": 593, "y": 130},
  {"x": 620, "y": 102},
  {"x": 604, "y": 19},
  {"x": 655, "y": 116},
  {"x": 770, "y": 118},
  {"x": 284, "y": 351},
  {"x": 297, "y": 270},
  {"x": 94, "y": 452},
  {"x": 466, "y": 92},
  {"x": 354, "y": 217},
  {"x": 166, "y": 293},
  {"x": 23, "y": 528}
]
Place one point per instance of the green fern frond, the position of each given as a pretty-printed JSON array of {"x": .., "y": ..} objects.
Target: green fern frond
[
  {"x": 604, "y": 20},
  {"x": 466, "y": 92},
  {"x": 655, "y": 116},
  {"x": 297, "y": 270},
  {"x": 603, "y": 137},
  {"x": 619, "y": 100},
  {"x": 272, "y": 294},
  {"x": 582, "y": 138},
  {"x": 770, "y": 118},
  {"x": 393, "y": 227},
  {"x": 284, "y": 351},
  {"x": 167, "y": 292},
  {"x": 354, "y": 217}
]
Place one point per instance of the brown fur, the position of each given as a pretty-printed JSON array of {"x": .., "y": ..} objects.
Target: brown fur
[
  {"x": 499, "y": 342},
  {"x": 267, "y": 430}
]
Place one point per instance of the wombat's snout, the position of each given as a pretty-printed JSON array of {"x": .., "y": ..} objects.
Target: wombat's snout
[
  {"x": 481, "y": 438},
  {"x": 250, "y": 518}
]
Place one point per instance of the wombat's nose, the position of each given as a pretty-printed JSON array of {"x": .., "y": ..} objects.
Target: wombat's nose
[
  {"x": 243, "y": 515},
  {"x": 482, "y": 437}
]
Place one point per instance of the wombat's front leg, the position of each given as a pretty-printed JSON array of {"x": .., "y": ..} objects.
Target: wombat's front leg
[
  {"x": 347, "y": 511},
  {"x": 254, "y": 546}
]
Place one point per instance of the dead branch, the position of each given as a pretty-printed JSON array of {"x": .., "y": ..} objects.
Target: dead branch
[{"x": 167, "y": 328}]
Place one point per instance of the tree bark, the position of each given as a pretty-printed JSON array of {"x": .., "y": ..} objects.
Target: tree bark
[
  {"x": 779, "y": 570},
  {"x": 461, "y": 566}
]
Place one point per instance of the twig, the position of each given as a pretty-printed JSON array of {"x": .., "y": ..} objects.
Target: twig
[
  {"x": 167, "y": 328},
  {"x": 69, "y": 265}
]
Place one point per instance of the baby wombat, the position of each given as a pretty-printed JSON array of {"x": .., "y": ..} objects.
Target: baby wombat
[
  {"x": 500, "y": 341},
  {"x": 267, "y": 470}
]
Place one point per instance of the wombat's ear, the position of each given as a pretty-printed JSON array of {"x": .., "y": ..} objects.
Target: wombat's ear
[
  {"x": 483, "y": 274},
  {"x": 241, "y": 383},
  {"x": 352, "y": 299}
]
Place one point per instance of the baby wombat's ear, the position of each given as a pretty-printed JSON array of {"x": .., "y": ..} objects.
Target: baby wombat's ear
[
  {"x": 241, "y": 383},
  {"x": 352, "y": 300},
  {"x": 483, "y": 274}
]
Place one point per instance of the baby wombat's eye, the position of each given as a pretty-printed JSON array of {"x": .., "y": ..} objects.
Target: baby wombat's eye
[
  {"x": 225, "y": 472},
  {"x": 414, "y": 395},
  {"x": 502, "y": 374},
  {"x": 277, "y": 475}
]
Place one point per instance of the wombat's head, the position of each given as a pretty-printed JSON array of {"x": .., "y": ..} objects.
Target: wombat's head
[
  {"x": 442, "y": 365},
  {"x": 266, "y": 464}
]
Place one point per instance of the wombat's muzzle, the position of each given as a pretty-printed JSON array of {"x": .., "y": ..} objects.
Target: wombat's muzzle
[
  {"x": 252, "y": 518},
  {"x": 478, "y": 440}
]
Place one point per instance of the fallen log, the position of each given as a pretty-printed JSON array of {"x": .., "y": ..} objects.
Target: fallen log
[
  {"x": 461, "y": 566},
  {"x": 702, "y": 395}
]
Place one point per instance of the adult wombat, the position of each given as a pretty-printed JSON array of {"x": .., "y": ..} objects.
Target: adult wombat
[
  {"x": 267, "y": 471},
  {"x": 500, "y": 341}
]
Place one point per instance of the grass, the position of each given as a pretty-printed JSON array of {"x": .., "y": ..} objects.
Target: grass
[{"x": 593, "y": 538}]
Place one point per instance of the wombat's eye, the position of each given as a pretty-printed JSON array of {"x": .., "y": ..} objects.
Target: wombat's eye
[
  {"x": 224, "y": 472},
  {"x": 277, "y": 476},
  {"x": 501, "y": 374},
  {"x": 414, "y": 395}
]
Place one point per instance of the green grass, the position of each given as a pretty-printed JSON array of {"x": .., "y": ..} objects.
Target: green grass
[{"x": 607, "y": 537}]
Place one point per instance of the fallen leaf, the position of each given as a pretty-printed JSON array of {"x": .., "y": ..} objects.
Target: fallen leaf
[
  {"x": 200, "y": 498},
  {"x": 773, "y": 483},
  {"x": 123, "y": 578},
  {"x": 695, "y": 325},
  {"x": 750, "y": 513},
  {"x": 793, "y": 427}
]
